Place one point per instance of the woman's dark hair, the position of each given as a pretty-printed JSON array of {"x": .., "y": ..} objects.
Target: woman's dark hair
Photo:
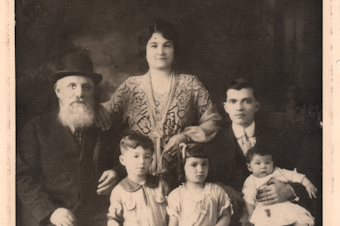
[
  {"x": 195, "y": 150},
  {"x": 163, "y": 27},
  {"x": 261, "y": 150}
]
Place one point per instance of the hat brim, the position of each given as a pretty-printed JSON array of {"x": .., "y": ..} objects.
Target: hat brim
[{"x": 94, "y": 76}]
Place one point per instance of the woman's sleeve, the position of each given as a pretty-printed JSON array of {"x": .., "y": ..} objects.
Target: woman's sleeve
[
  {"x": 117, "y": 105},
  {"x": 209, "y": 118},
  {"x": 223, "y": 201},
  {"x": 116, "y": 206},
  {"x": 249, "y": 191},
  {"x": 173, "y": 208}
]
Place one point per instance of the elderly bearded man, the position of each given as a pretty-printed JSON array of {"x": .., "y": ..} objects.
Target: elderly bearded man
[{"x": 64, "y": 162}]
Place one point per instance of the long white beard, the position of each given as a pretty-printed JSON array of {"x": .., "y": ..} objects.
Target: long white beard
[{"x": 77, "y": 114}]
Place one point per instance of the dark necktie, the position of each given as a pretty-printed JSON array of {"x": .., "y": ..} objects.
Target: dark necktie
[{"x": 77, "y": 136}]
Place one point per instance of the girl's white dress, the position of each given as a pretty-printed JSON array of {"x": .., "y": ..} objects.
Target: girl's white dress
[
  {"x": 204, "y": 209},
  {"x": 285, "y": 213}
]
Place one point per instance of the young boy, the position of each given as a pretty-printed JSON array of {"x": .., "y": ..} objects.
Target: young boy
[{"x": 139, "y": 199}]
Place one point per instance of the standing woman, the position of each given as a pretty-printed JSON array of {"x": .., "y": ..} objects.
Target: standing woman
[{"x": 168, "y": 107}]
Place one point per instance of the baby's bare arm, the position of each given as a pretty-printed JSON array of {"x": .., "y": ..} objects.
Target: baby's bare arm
[
  {"x": 311, "y": 189},
  {"x": 250, "y": 209}
]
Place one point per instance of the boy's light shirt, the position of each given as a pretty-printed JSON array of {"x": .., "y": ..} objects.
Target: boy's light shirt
[
  {"x": 250, "y": 131},
  {"x": 133, "y": 204}
]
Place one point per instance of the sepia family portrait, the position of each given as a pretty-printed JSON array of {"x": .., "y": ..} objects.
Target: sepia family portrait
[{"x": 203, "y": 112}]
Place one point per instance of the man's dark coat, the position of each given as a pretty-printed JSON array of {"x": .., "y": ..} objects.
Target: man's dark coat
[{"x": 53, "y": 171}]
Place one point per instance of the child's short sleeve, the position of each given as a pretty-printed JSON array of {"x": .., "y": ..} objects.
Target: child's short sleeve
[
  {"x": 223, "y": 201},
  {"x": 249, "y": 190},
  {"x": 116, "y": 206},
  {"x": 173, "y": 208}
]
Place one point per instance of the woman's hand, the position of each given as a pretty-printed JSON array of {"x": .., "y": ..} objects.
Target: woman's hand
[
  {"x": 173, "y": 144},
  {"x": 102, "y": 118}
]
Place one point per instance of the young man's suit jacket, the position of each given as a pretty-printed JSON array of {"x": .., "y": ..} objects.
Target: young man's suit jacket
[{"x": 53, "y": 171}]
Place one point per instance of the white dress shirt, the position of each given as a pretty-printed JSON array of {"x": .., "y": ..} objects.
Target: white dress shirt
[{"x": 250, "y": 131}]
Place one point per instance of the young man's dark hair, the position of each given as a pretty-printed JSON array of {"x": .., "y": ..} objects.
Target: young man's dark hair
[{"x": 241, "y": 83}]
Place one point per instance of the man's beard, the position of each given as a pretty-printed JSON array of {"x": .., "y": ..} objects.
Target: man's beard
[{"x": 77, "y": 114}]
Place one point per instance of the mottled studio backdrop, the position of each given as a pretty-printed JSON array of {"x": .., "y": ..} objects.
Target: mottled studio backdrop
[{"x": 274, "y": 43}]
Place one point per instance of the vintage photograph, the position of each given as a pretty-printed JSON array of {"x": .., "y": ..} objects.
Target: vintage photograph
[{"x": 204, "y": 112}]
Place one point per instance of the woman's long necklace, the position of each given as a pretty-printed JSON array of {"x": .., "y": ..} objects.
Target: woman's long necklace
[
  {"x": 159, "y": 103},
  {"x": 159, "y": 100}
]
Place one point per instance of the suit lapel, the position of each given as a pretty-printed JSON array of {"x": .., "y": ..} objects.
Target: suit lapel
[
  {"x": 233, "y": 146},
  {"x": 89, "y": 141}
]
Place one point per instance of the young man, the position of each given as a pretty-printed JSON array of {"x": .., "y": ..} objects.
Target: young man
[
  {"x": 231, "y": 144},
  {"x": 64, "y": 162},
  {"x": 139, "y": 199}
]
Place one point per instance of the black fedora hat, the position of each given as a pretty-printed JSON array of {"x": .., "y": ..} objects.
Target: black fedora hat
[{"x": 77, "y": 64}]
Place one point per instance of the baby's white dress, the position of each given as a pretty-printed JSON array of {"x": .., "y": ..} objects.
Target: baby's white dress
[{"x": 285, "y": 213}]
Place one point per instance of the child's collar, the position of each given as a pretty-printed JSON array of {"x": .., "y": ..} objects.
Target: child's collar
[{"x": 131, "y": 186}]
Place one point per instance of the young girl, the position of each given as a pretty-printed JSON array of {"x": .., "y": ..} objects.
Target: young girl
[
  {"x": 197, "y": 202},
  {"x": 261, "y": 164}
]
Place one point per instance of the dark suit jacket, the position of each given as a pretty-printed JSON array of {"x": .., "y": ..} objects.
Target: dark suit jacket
[
  {"x": 53, "y": 171},
  {"x": 228, "y": 163}
]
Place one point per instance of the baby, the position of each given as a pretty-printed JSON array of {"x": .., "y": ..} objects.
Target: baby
[{"x": 261, "y": 164}]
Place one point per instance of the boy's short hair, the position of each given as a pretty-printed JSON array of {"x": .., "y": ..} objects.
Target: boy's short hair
[
  {"x": 261, "y": 150},
  {"x": 241, "y": 83},
  {"x": 134, "y": 140}
]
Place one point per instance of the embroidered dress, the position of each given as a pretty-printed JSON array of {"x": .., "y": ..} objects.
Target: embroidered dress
[
  {"x": 139, "y": 205},
  {"x": 204, "y": 210},
  {"x": 186, "y": 108},
  {"x": 285, "y": 213}
]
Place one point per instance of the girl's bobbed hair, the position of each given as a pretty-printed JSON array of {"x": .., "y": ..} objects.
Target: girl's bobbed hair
[
  {"x": 167, "y": 29},
  {"x": 195, "y": 150}
]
